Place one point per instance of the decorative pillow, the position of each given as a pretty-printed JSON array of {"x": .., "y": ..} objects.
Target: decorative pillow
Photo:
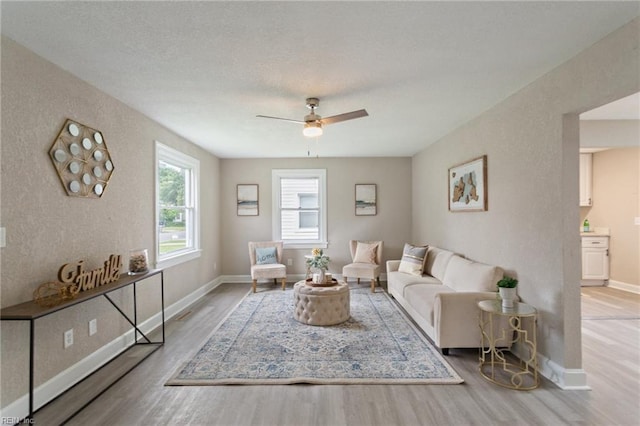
[
  {"x": 266, "y": 255},
  {"x": 467, "y": 275},
  {"x": 366, "y": 253},
  {"x": 413, "y": 259}
]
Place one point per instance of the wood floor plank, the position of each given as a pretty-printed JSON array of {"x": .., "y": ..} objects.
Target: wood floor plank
[{"x": 141, "y": 398}]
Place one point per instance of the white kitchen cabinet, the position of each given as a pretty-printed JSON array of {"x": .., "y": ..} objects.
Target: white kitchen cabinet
[
  {"x": 595, "y": 260},
  {"x": 586, "y": 179}
]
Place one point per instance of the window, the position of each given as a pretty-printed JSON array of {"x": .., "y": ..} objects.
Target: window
[
  {"x": 299, "y": 207},
  {"x": 306, "y": 218},
  {"x": 177, "y": 216}
]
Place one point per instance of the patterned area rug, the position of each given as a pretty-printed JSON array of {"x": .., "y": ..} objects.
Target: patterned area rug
[{"x": 261, "y": 343}]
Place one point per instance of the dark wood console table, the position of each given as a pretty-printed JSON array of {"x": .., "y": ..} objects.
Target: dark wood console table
[{"x": 31, "y": 311}]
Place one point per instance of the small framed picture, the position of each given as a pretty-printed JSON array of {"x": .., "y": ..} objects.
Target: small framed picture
[
  {"x": 468, "y": 186},
  {"x": 247, "y": 199},
  {"x": 366, "y": 199}
]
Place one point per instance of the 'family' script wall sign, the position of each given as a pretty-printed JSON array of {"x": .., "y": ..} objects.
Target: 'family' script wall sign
[
  {"x": 73, "y": 279},
  {"x": 81, "y": 280}
]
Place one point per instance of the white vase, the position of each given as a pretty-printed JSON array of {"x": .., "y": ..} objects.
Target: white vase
[
  {"x": 508, "y": 296},
  {"x": 319, "y": 277}
]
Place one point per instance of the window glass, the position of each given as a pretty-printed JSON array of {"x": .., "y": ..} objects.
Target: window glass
[
  {"x": 309, "y": 220},
  {"x": 177, "y": 183}
]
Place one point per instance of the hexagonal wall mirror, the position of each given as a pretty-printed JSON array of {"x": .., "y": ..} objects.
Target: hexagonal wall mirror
[{"x": 82, "y": 160}]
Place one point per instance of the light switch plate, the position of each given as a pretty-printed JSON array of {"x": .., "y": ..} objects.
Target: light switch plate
[{"x": 636, "y": 221}]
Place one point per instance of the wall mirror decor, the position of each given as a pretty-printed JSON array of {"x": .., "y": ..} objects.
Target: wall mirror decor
[{"x": 81, "y": 158}]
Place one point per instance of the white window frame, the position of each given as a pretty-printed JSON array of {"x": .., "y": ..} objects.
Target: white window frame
[
  {"x": 321, "y": 175},
  {"x": 173, "y": 156}
]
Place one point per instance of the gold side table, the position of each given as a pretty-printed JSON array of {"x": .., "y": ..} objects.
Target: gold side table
[{"x": 500, "y": 330}]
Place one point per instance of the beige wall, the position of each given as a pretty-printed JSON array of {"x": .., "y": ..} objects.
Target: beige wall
[
  {"x": 46, "y": 228},
  {"x": 532, "y": 142},
  {"x": 609, "y": 133},
  {"x": 616, "y": 183},
  {"x": 392, "y": 224}
]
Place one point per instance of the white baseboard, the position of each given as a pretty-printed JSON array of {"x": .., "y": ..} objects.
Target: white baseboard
[
  {"x": 188, "y": 300},
  {"x": 592, "y": 283},
  {"x": 74, "y": 374},
  {"x": 624, "y": 286},
  {"x": 564, "y": 378}
]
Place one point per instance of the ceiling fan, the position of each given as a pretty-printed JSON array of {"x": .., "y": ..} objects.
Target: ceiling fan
[{"x": 313, "y": 122}]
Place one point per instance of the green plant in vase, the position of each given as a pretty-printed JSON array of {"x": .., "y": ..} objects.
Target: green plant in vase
[
  {"x": 319, "y": 262},
  {"x": 507, "y": 290}
]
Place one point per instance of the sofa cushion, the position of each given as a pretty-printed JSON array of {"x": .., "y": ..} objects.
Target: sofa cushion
[
  {"x": 421, "y": 298},
  {"x": 437, "y": 261},
  {"x": 399, "y": 281},
  {"x": 412, "y": 261},
  {"x": 466, "y": 275}
]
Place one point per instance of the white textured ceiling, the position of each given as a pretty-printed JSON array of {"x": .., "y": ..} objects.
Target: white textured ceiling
[
  {"x": 206, "y": 69},
  {"x": 627, "y": 108}
]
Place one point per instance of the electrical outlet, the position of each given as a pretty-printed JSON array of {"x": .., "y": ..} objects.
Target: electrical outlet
[
  {"x": 68, "y": 338},
  {"x": 636, "y": 221},
  {"x": 215, "y": 266},
  {"x": 289, "y": 262},
  {"x": 3, "y": 237},
  {"x": 93, "y": 327}
]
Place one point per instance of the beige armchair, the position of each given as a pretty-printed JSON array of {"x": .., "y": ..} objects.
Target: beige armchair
[
  {"x": 366, "y": 260},
  {"x": 266, "y": 262}
]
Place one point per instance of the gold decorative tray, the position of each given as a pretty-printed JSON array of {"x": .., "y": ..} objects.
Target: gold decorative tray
[{"x": 310, "y": 283}]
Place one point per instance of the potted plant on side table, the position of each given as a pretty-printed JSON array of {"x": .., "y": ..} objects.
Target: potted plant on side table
[{"x": 507, "y": 290}]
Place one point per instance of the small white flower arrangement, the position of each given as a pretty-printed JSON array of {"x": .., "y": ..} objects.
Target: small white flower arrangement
[{"x": 318, "y": 260}]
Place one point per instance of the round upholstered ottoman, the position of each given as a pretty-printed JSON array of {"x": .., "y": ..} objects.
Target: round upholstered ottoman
[{"x": 321, "y": 305}]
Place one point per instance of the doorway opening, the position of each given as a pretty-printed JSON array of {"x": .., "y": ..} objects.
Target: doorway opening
[{"x": 610, "y": 203}]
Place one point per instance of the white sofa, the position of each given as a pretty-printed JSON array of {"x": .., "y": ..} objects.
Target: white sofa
[{"x": 443, "y": 301}]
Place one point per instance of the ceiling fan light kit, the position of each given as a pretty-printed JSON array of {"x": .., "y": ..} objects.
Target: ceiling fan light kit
[
  {"x": 312, "y": 129},
  {"x": 313, "y": 123}
]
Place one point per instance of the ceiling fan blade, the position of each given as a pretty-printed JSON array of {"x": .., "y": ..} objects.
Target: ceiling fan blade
[
  {"x": 344, "y": 117},
  {"x": 280, "y": 118}
]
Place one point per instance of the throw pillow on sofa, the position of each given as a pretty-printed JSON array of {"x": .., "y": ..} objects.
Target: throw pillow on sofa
[
  {"x": 366, "y": 253},
  {"x": 467, "y": 275},
  {"x": 266, "y": 255},
  {"x": 413, "y": 258}
]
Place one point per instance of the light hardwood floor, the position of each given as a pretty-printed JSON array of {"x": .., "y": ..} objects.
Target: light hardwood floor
[{"x": 611, "y": 358}]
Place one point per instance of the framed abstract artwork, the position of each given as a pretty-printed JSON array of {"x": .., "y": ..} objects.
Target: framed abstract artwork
[
  {"x": 247, "y": 199},
  {"x": 467, "y": 190},
  {"x": 366, "y": 199}
]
